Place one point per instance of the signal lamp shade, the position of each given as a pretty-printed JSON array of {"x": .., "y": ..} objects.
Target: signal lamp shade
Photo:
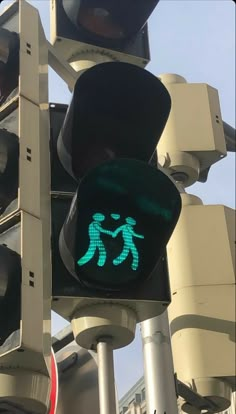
[
  {"x": 118, "y": 110},
  {"x": 10, "y": 282},
  {"x": 9, "y": 63},
  {"x": 9, "y": 168},
  {"x": 119, "y": 223},
  {"x": 110, "y": 21}
]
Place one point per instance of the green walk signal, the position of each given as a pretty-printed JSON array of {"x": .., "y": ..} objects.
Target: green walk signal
[
  {"x": 120, "y": 228},
  {"x": 95, "y": 242}
]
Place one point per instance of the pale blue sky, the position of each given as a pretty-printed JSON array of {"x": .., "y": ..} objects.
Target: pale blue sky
[{"x": 195, "y": 39}]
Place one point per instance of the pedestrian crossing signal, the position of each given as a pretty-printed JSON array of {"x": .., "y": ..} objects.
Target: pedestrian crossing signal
[
  {"x": 109, "y": 238},
  {"x": 96, "y": 244},
  {"x": 120, "y": 228}
]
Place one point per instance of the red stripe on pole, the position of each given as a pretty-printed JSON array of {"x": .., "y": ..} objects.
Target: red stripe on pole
[{"x": 54, "y": 385}]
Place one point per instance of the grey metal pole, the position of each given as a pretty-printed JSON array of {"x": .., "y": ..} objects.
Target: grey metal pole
[
  {"x": 230, "y": 137},
  {"x": 106, "y": 379},
  {"x": 158, "y": 366}
]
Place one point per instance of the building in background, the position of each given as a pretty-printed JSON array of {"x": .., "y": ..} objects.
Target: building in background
[{"x": 133, "y": 402}]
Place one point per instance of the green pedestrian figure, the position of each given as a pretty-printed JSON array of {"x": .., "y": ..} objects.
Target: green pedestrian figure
[
  {"x": 129, "y": 246},
  {"x": 95, "y": 230}
]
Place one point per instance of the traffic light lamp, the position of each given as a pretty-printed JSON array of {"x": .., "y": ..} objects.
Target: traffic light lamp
[
  {"x": 101, "y": 30},
  {"x": 9, "y": 63},
  {"x": 10, "y": 260},
  {"x": 110, "y": 244},
  {"x": 116, "y": 230},
  {"x": 118, "y": 110},
  {"x": 108, "y": 22},
  {"x": 10, "y": 287},
  {"x": 9, "y": 141},
  {"x": 9, "y": 168}
]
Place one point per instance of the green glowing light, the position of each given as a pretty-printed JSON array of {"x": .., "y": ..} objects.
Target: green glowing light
[
  {"x": 115, "y": 216},
  {"x": 129, "y": 246},
  {"x": 95, "y": 230}
]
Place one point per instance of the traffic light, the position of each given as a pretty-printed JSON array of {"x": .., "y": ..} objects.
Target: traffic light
[
  {"x": 9, "y": 63},
  {"x": 10, "y": 279},
  {"x": 10, "y": 266},
  {"x": 116, "y": 230},
  {"x": 10, "y": 263},
  {"x": 96, "y": 30},
  {"x": 25, "y": 278},
  {"x": 110, "y": 245}
]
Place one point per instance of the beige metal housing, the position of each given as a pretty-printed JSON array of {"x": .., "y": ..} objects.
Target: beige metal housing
[
  {"x": 201, "y": 260},
  {"x": 111, "y": 321},
  {"x": 193, "y": 138}
]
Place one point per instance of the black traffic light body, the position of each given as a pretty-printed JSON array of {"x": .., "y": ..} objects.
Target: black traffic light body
[
  {"x": 9, "y": 141},
  {"x": 107, "y": 22},
  {"x": 110, "y": 244},
  {"x": 10, "y": 298},
  {"x": 61, "y": 181},
  {"x": 9, "y": 63},
  {"x": 114, "y": 113},
  {"x": 94, "y": 29},
  {"x": 116, "y": 229}
]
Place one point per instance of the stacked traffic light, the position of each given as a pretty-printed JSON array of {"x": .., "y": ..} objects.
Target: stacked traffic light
[
  {"x": 97, "y": 30},
  {"x": 124, "y": 210},
  {"x": 108, "y": 22},
  {"x": 9, "y": 63},
  {"x": 10, "y": 263},
  {"x": 9, "y": 141},
  {"x": 25, "y": 267}
]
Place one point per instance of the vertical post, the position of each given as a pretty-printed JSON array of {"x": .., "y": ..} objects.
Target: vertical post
[
  {"x": 106, "y": 380},
  {"x": 158, "y": 366}
]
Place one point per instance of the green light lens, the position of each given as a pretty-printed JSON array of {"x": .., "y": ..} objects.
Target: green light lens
[
  {"x": 96, "y": 243},
  {"x": 122, "y": 226}
]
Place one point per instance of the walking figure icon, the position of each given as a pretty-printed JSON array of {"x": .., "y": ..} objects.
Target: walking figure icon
[
  {"x": 129, "y": 247},
  {"x": 95, "y": 231}
]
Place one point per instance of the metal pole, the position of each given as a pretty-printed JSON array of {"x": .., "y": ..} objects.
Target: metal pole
[
  {"x": 230, "y": 137},
  {"x": 158, "y": 366},
  {"x": 106, "y": 380}
]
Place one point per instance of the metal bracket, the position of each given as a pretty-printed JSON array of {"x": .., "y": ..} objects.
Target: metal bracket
[
  {"x": 61, "y": 67},
  {"x": 194, "y": 399},
  {"x": 67, "y": 363}
]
